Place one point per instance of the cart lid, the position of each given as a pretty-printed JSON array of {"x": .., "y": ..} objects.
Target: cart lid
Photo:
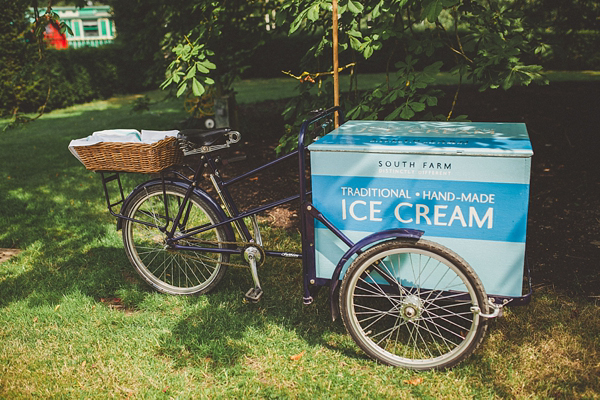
[{"x": 428, "y": 137}]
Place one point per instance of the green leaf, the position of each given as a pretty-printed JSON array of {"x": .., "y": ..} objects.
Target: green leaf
[
  {"x": 416, "y": 106},
  {"x": 191, "y": 72},
  {"x": 391, "y": 97},
  {"x": 508, "y": 81},
  {"x": 394, "y": 114},
  {"x": 197, "y": 88},
  {"x": 298, "y": 21},
  {"x": 406, "y": 113},
  {"x": 355, "y": 43},
  {"x": 202, "y": 68},
  {"x": 431, "y": 101},
  {"x": 433, "y": 68},
  {"x": 182, "y": 89},
  {"x": 355, "y": 7},
  {"x": 166, "y": 83},
  {"x": 354, "y": 113},
  {"x": 376, "y": 11},
  {"x": 432, "y": 10},
  {"x": 313, "y": 13},
  {"x": 65, "y": 28},
  {"x": 410, "y": 61},
  {"x": 354, "y": 33}
]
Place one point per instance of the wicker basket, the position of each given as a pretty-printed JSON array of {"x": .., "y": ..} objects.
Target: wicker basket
[{"x": 131, "y": 157}]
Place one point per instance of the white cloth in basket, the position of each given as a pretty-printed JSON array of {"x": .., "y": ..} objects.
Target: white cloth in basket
[{"x": 120, "y": 135}]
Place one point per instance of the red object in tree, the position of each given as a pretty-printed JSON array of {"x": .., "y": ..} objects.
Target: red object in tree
[{"x": 54, "y": 38}]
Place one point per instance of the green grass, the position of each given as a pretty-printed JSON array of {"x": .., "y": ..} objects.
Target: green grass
[
  {"x": 252, "y": 90},
  {"x": 76, "y": 322}
]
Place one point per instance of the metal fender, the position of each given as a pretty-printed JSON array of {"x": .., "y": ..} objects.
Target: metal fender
[
  {"x": 199, "y": 192},
  {"x": 357, "y": 249}
]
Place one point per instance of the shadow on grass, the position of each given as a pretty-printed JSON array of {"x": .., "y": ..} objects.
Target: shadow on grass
[
  {"x": 223, "y": 330},
  {"x": 99, "y": 272},
  {"x": 53, "y": 209}
]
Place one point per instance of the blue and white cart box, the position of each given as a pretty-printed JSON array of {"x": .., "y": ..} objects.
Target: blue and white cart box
[{"x": 465, "y": 184}]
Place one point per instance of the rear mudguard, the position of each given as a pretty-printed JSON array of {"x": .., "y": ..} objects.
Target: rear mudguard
[
  {"x": 358, "y": 248},
  {"x": 199, "y": 192}
]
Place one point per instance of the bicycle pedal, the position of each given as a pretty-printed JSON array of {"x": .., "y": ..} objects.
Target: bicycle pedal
[{"x": 253, "y": 295}]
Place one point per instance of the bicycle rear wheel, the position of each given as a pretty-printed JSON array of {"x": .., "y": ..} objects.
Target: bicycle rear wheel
[
  {"x": 412, "y": 304},
  {"x": 168, "y": 270}
]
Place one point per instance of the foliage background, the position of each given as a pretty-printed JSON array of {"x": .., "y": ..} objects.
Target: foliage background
[
  {"x": 29, "y": 76},
  {"x": 74, "y": 75},
  {"x": 236, "y": 32}
]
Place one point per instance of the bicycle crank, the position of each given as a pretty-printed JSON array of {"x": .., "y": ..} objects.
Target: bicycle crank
[{"x": 253, "y": 255}]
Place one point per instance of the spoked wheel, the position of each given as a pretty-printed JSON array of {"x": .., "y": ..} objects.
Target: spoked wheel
[
  {"x": 413, "y": 304},
  {"x": 169, "y": 270}
]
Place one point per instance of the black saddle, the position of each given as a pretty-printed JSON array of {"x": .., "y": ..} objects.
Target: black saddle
[{"x": 201, "y": 137}]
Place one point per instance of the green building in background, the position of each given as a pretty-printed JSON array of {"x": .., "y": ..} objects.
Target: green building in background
[{"x": 92, "y": 26}]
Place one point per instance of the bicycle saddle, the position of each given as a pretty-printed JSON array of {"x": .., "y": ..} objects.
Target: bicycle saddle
[{"x": 202, "y": 137}]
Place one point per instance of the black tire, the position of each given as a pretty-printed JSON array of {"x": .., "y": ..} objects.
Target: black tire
[
  {"x": 173, "y": 271},
  {"x": 423, "y": 315}
]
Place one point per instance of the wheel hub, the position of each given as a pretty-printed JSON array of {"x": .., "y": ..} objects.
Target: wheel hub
[
  {"x": 161, "y": 240},
  {"x": 412, "y": 308}
]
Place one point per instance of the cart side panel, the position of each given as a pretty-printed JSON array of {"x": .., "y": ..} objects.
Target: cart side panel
[{"x": 472, "y": 199}]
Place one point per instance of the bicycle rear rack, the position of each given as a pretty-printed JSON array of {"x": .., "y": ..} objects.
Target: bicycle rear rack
[{"x": 114, "y": 176}]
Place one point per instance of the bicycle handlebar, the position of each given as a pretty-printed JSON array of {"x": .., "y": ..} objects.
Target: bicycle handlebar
[
  {"x": 320, "y": 115},
  {"x": 323, "y": 114},
  {"x": 302, "y": 148}
]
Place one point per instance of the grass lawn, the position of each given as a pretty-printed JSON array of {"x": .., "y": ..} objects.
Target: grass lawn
[
  {"x": 252, "y": 90},
  {"x": 75, "y": 321}
]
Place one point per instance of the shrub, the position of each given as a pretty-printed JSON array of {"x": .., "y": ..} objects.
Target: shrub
[{"x": 73, "y": 75}]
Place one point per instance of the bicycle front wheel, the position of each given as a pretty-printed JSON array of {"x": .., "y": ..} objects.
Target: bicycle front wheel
[
  {"x": 413, "y": 304},
  {"x": 168, "y": 270}
]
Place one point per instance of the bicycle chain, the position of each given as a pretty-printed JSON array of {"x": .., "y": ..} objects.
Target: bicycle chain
[{"x": 229, "y": 264}]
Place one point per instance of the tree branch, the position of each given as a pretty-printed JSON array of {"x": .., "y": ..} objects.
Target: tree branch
[
  {"x": 461, "y": 52},
  {"x": 455, "y": 98},
  {"x": 460, "y": 46}
]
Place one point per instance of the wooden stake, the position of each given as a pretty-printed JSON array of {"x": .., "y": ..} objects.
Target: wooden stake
[{"x": 336, "y": 77}]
